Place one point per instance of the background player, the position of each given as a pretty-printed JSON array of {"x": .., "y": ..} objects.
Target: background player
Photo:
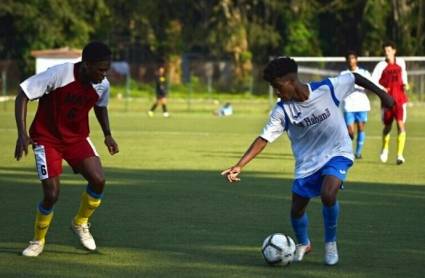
[
  {"x": 392, "y": 75},
  {"x": 161, "y": 92},
  {"x": 310, "y": 114},
  {"x": 356, "y": 105},
  {"x": 60, "y": 130}
]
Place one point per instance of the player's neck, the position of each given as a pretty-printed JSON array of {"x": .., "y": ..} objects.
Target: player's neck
[
  {"x": 82, "y": 75},
  {"x": 391, "y": 60},
  {"x": 302, "y": 92}
]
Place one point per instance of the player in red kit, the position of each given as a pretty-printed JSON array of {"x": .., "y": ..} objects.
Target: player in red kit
[
  {"x": 391, "y": 74},
  {"x": 60, "y": 131}
]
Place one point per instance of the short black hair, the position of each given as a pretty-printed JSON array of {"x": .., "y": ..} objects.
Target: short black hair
[
  {"x": 349, "y": 53},
  {"x": 390, "y": 44},
  {"x": 279, "y": 67},
  {"x": 96, "y": 51}
]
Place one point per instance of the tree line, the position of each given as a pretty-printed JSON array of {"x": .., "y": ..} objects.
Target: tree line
[{"x": 244, "y": 31}]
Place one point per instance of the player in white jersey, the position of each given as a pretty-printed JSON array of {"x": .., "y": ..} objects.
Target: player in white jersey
[
  {"x": 356, "y": 105},
  {"x": 310, "y": 115}
]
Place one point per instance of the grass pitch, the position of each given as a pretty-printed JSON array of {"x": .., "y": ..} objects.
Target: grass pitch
[{"x": 168, "y": 213}]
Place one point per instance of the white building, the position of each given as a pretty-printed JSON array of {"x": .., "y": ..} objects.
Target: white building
[{"x": 50, "y": 57}]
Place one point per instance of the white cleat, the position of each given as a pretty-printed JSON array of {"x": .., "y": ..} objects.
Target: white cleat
[
  {"x": 300, "y": 251},
  {"x": 166, "y": 114},
  {"x": 83, "y": 232},
  {"x": 331, "y": 253},
  {"x": 384, "y": 156},
  {"x": 34, "y": 249},
  {"x": 400, "y": 160}
]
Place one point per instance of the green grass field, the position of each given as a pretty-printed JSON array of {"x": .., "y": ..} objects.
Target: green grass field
[{"x": 168, "y": 213}]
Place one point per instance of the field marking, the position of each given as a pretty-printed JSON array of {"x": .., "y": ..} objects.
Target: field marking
[{"x": 202, "y": 133}]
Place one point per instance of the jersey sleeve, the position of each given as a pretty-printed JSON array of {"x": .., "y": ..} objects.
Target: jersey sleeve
[
  {"x": 377, "y": 73},
  {"x": 275, "y": 125},
  {"x": 103, "y": 90},
  {"x": 40, "y": 84},
  {"x": 343, "y": 85},
  {"x": 402, "y": 64}
]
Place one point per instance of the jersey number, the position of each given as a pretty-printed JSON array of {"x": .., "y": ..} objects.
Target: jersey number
[{"x": 43, "y": 170}]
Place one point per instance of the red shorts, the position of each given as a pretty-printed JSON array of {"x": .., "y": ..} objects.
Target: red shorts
[
  {"x": 397, "y": 112},
  {"x": 48, "y": 158}
]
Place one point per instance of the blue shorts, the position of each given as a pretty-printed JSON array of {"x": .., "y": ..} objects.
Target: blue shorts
[
  {"x": 310, "y": 186},
  {"x": 358, "y": 117}
]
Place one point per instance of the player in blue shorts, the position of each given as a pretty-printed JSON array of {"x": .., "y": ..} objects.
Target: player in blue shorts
[
  {"x": 356, "y": 105},
  {"x": 310, "y": 115}
]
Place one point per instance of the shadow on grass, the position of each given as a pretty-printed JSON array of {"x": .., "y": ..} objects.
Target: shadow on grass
[{"x": 183, "y": 223}]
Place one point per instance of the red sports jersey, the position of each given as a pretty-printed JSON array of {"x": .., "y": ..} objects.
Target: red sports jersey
[
  {"x": 393, "y": 77},
  {"x": 64, "y": 104}
]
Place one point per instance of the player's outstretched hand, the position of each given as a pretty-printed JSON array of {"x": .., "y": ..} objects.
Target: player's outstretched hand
[
  {"x": 22, "y": 146},
  {"x": 232, "y": 173},
  {"x": 111, "y": 145}
]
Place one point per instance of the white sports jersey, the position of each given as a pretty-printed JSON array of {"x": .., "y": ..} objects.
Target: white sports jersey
[
  {"x": 358, "y": 100},
  {"x": 315, "y": 127}
]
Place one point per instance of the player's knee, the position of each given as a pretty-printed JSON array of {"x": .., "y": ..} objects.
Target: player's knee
[
  {"x": 51, "y": 197},
  {"x": 98, "y": 182},
  {"x": 328, "y": 198},
  {"x": 297, "y": 212}
]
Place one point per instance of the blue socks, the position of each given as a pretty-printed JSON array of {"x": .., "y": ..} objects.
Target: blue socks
[
  {"x": 300, "y": 228},
  {"x": 360, "y": 142},
  {"x": 330, "y": 219}
]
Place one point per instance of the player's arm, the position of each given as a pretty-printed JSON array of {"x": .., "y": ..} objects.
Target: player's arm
[
  {"x": 103, "y": 119},
  {"x": 21, "y": 103},
  {"x": 256, "y": 147},
  {"x": 386, "y": 99}
]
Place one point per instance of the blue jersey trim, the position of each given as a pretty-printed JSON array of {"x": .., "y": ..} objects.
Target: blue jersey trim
[
  {"x": 315, "y": 85},
  {"x": 280, "y": 103}
]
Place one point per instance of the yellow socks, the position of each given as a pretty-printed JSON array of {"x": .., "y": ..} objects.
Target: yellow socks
[
  {"x": 88, "y": 204},
  {"x": 401, "y": 140},
  {"x": 385, "y": 142},
  {"x": 42, "y": 222}
]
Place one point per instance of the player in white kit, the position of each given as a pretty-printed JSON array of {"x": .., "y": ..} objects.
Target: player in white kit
[
  {"x": 310, "y": 115},
  {"x": 356, "y": 105}
]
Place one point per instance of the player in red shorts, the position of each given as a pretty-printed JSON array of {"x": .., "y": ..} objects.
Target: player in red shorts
[
  {"x": 60, "y": 131},
  {"x": 391, "y": 74}
]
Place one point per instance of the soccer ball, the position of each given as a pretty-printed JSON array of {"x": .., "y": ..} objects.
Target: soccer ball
[{"x": 278, "y": 249}]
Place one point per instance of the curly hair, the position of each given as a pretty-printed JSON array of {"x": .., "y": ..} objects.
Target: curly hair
[
  {"x": 95, "y": 52},
  {"x": 279, "y": 67}
]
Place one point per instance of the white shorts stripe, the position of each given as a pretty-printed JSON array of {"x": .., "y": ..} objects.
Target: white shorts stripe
[
  {"x": 92, "y": 146},
  {"x": 41, "y": 162}
]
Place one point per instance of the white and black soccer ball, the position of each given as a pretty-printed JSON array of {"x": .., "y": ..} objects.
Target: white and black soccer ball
[{"x": 278, "y": 249}]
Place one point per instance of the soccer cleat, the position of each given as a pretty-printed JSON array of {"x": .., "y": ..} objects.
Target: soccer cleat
[
  {"x": 400, "y": 160},
  {"x": 301, "y": 250},
  {"x": 331, "y": 253},
  {"x": 34, "y": 249},
  {"x": 83, "y": 232},
  {"x": 166, "y": 114},
  {"x": 358, "y": 156},
  {"x": 151, "y": 114},
  {"x": 384, "y": 156}
]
